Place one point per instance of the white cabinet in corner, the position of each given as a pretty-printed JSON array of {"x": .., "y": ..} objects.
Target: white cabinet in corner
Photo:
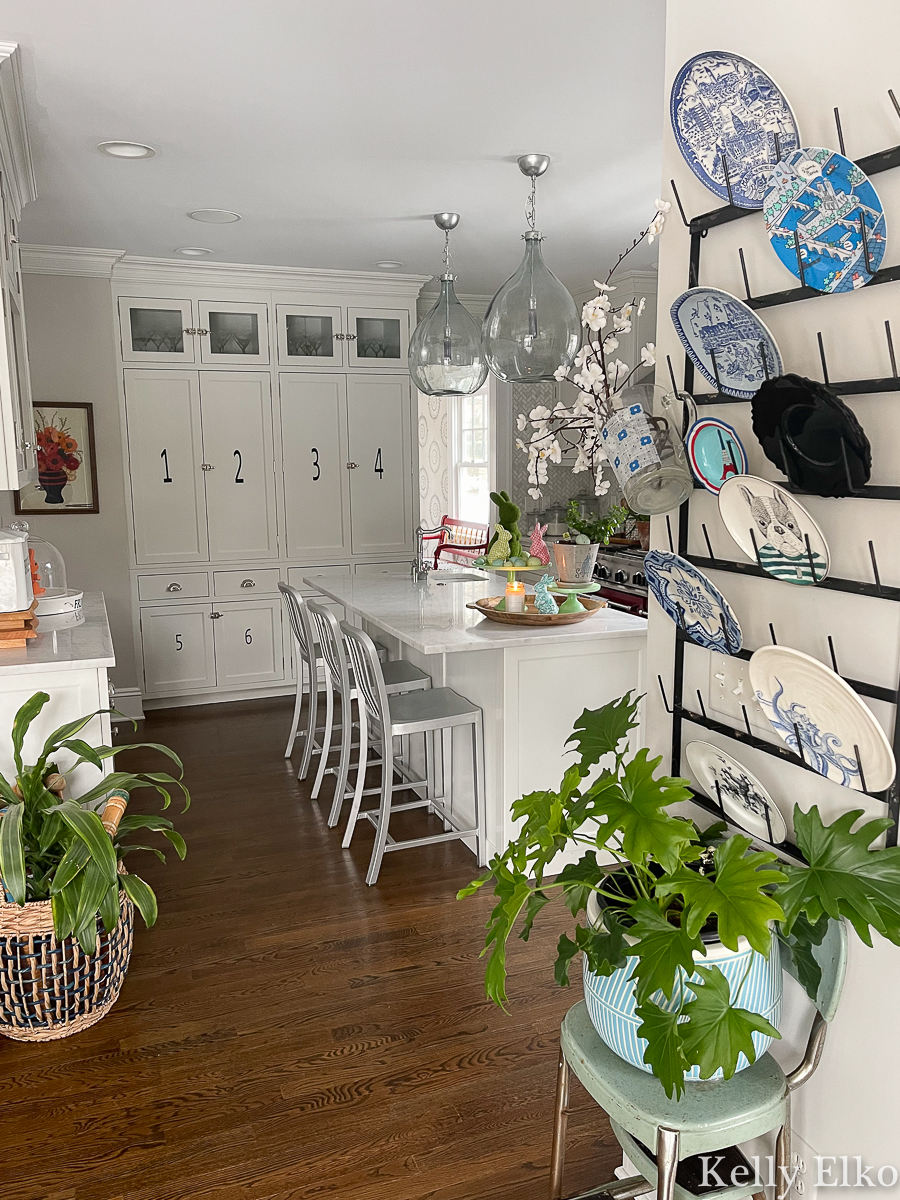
[
  {"x": 18, "y": 465},
  {"x": 378, "y": 411}
]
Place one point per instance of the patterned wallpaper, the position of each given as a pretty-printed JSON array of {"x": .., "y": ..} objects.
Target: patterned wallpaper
[
  {"x": 434, "y": 458},
  {"x": 561, "y": 485}
]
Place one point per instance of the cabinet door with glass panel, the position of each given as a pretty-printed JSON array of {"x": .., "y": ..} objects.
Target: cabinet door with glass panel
[
  {"x": 377, "y": 338},
  {"x": 233, "y": 333},
  {"x": 310, "y": 335},
  {"x": 157, "y": 331}
]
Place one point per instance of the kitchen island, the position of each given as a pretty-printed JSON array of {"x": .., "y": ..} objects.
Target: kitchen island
[{"x": 531, "y": 682}]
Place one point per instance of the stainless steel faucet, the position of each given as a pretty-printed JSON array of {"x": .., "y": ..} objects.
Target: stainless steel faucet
[{"x": 420, "y": 567}]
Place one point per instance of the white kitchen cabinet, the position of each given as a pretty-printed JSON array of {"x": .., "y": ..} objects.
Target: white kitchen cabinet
[
  {"x": 377, "y": 338},
  {"x": 238, "y": 465},
  {"x": 232, "y": 332},
  {"x": 178, "y": 648},
  {"x": 19, "y": 464},
  {"x": 380, "y": 476},
  {"x": 162, "y": 332},
  {"x": 315, "y": 470},
  {"x": 248, "y": 643},
  {"x": 310, "y": 335},
  {"x": 404, "y": 567}
]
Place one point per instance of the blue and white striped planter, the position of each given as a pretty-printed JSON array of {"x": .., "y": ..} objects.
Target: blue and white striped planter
[{"x": 610, "y": 1000}]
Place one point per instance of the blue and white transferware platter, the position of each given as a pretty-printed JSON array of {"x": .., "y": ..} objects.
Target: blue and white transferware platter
[
  {"x": 821, "y": 197},
  {"x": 687, "y": 596},
  {"x": 753, "y": 508},
  {"x": 799, "y": 694},
  {"x": 713, "y": 324},
  {"x": 743, "y": 798},
  {"x": 723, "y": 104},
  {"x": 715, "y": 452}
]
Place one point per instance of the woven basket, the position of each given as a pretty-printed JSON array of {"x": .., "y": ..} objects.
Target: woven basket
[{"x": 51, "y": 988}]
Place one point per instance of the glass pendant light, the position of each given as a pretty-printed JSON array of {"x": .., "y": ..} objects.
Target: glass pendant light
[
  {"x": 445, "y": 352},
  {"x": 531, "y": 327}
]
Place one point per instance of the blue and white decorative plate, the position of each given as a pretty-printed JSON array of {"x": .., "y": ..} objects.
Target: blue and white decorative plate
[
  {"x": 726, "y": 341},
  {"x": 814, "y": 206},
  {"x": 723, "y": 104},
  {"x": 743, "y": 798},
  {"x": 693, "y": 602},
  {"x": 799, "y": 694},
  {"x": 715, "y": 452},
  {"x": 756, "y": 509}
]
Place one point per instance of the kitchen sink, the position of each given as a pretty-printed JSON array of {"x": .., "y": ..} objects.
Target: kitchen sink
[{"x": 440, "y": 577}]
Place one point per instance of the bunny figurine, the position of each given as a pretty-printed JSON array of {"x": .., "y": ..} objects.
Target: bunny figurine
[
  {"x": 543, "y": 601},
  {"x": 538, "y": 545},
  {"x": 499, "y": 550}
]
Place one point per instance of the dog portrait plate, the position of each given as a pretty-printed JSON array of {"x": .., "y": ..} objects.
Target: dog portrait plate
[
  {"x": 724, "y": 105},
  {"x": 715, "y": 452},
  {"x": 820, "y": 205},
  {"x": 755, "y": 509},
  {"x": 799, "y": 694},
  {"x": 726, "y": 341},
  {"x": 743, "y": 798},
  {"x": 693, "y": 602}
]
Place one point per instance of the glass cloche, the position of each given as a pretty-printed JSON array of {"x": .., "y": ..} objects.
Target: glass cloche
[{"x": 50, "y": 564}]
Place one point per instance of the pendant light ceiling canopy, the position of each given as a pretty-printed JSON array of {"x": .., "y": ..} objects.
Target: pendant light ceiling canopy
[
  {"x": 445, "y": 352},
  {"x": 531, "y": 328}
]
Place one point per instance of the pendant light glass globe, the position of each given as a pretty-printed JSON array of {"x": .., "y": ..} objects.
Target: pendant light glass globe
[
  {"x": 531, "y": 327},
  {"x": 445, "y": 352}
]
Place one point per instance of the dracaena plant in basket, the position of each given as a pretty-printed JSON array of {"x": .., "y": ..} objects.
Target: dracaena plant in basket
[
  {"x": 58, "y": 850},
  {"x": 669, "y": 892}
]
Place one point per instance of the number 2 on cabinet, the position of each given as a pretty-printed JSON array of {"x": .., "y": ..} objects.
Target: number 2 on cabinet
[{"x": 240, "y": 462}]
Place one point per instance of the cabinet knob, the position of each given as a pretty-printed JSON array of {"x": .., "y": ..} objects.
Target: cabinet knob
[
  {"x": 13, "y": 239},
  {"x": 207, "y": 467},
  {"x": 27, "y": 445},
  {"x": 248, "y": 583},
  {"x": 352, "y": 466},
  {"x": 214, "y": 616},
  {"x": 112, "y": 690},
  {"x": 174, "y": 587}
]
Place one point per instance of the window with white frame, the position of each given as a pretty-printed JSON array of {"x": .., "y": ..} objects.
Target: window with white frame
[{"x": 472, "y": 473}]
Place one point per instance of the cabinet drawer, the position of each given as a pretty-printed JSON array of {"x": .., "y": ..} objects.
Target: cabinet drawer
[
  {"x": 388, "y": 568},
  {"x": 296, "y": 576},
  {"x": 179, "y": 585},
  {"x": 245, "y": 583}
]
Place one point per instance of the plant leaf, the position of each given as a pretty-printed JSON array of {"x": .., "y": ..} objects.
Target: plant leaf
[
  {"x": 662, "y": 951},
  {"x": 22, "y": 721},
  {"x": 844, "y": 878},
  {"x": 798, "y": 946},
  {"x": 715, "y": 1032},
  {"x": 603, "y": 948},
  {"x": 74, "y": 860},
  {"x": 579, "y": 881},
  {"x": 93, "y": 886},
  {"x": 142, "y": 896},
  {"x": 123, "y": 850},
  {"x": 598, "y": 731},
  {"x": 712, "y": 834},
  {"x": 85, "y": 753},
  {"x": 109, "y": 907},
  {"x": 734, "y": 892},
  {"x": 664, "y": 1051},
  {"x": 86, "y": 825},
  {"x": 533, "y": 906},
  {"x": 87, "y": 935},
  {"x": 12, "y": 851},
  {"x": 177, "y": 841}
]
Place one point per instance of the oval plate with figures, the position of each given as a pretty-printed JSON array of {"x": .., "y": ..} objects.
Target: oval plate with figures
[
  {"x": 726, "y": 341},
  {"x": 693, "y": 602},
  {"x": 800, "y": 695},
  {"x": 789, "y": 543},
  {"x": 725, "y": 105},
  {"x": 743, "y": 798},
  {"x": 715, "y": 452}
]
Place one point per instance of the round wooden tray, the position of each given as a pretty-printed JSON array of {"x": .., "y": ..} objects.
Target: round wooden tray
[{"x": 531, "y": 616}]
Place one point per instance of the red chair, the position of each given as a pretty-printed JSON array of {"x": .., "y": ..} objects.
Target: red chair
[{"x": 461, "y": 541}]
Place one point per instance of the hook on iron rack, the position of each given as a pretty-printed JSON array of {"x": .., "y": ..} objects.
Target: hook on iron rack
[
  {"x": 862, "y": 777},
  {"x": 772, "y": 634},
  {"x": 665, "y": 699},
  {"x": 719, "y": 797},
  {"x": 746, "y": 720},
  {"x": 890, "y": 343},
  {"x": 822, "y": 357},
  {"x": 840, "y": 132},
  {"x": 809, "y": 553},
  {"x": 759, "y": 560},
  {"x": 725, "y": 633},
  {"x": 727, "y": 178},
  {"x": 768, "y": 824},
  {"x": 744, "y": 272},
  {"x": 727, "y": 448},
  {"x": 799, "y": 741},
  {"x": 865, "y": 243},
  {"x": 715, "y": 367},
  {"x": 672, "y": 373},
  {"x": 702, "y": 705},
  {"x": 777, "y": 146},
  {"x": 669, "y": 533},
  {"x": 894, "y": 101},
  {"x": 687, "y": 223},
  {"x": 833, "y": 655},
  {"x": 875, "y": 566},
  {"x": 765, "y": 361},
  {"x": 799, "y": 260},
  {"x": 708, "y": 542}
]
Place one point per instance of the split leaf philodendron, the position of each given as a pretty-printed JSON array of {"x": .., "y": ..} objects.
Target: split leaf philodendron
[{"x": 668, "y": 886}]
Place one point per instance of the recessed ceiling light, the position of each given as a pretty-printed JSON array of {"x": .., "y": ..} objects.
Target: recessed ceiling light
[
  {"x": 214, "y": 216},
  {"x": 126, "y": 149},
  {"x": 389, "y": 264},
  {"x": 193, "y": 251}
]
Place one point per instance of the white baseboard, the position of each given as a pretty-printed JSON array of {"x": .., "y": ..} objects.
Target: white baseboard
[
  {"x": 219, "y": 697},
  {"x": 130, "y": 704}
]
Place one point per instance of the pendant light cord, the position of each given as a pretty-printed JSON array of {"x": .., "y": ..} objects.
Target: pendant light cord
[
  {"x": 529, "y": 207},
  {"x": 446, "y": 251}
]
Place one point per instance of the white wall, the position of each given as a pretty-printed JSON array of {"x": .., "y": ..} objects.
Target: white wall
[
  {"x": 850, "y": 1107},
  {"x": 69, "y": 321}
]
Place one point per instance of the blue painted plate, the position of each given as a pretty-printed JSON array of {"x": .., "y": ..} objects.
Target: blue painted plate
[
  {"x": 815, "y": 207},
  {"x": 725, "y": 338},
  {"x": 715, "y": 453},
  {"x": 692, "y": 601},
  {"x": 725, "y": 105}
]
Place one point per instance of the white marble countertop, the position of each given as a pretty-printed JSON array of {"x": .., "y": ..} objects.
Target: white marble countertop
[
  {"x": 432, "y": 616},
  {"x": 73, "y": 648}
]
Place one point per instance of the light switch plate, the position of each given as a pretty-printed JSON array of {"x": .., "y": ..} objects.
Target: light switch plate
[{"x": 729, "y": 688}]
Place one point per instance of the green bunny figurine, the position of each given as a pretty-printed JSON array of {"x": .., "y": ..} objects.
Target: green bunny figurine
[{"x": 509, "y": 517}]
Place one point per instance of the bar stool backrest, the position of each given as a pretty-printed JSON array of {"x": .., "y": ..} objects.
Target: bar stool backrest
[
  {"x": 332, "y": 645},
  {"x": 367, "y": 674},
  {"x": 301, "y": 624}
]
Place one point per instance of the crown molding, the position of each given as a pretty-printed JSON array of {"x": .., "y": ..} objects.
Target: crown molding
[
  {"x": 69, "y": 260},
  {"x": 16, "y": 146}
]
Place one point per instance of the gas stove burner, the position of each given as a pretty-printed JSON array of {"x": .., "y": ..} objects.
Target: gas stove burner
[{"x": 622, "y": 570}]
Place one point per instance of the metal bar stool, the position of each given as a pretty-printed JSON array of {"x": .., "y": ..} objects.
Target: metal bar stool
[
  {"x": 399, "y": 676},
  {"x": 383, "y": 717},
  {"x": 306, "y": 659}
]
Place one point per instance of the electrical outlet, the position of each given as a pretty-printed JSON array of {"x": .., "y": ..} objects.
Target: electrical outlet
[
  {"x": 803, "y": 1162},
  {"x": 729, "y": 687}
]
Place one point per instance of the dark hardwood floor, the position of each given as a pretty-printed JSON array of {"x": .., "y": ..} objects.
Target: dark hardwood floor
[{"x": 285, "y": 1031}]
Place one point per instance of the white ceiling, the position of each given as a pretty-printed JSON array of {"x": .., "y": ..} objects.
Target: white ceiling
[{"x": 336, "y": 127}]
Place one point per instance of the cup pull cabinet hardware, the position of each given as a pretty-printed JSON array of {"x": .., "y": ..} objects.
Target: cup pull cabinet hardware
[
  {"x": 248, "y": 583},
  {"x": 174, "y": 587}
]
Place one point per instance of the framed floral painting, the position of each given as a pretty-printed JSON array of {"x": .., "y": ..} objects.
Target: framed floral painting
[{"x": 67, "y": 462}]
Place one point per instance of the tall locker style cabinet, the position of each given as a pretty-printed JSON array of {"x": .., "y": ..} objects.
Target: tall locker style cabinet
[{"x": 267, "y": 436}]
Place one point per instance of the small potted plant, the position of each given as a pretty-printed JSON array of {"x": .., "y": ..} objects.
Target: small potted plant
[
  {"x": 576, "y": 554},
  {"x": 681, "y": 929},
  {"x": 66, "y": 901}
]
